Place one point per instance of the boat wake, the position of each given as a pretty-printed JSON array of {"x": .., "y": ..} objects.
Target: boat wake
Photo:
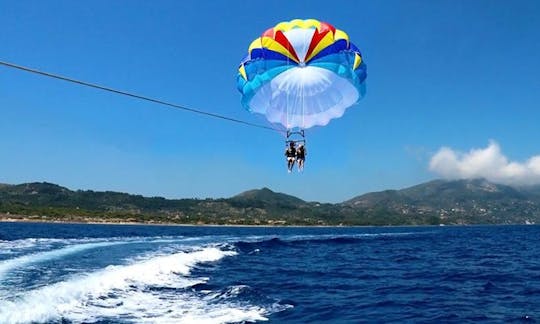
[{"x": 155, "y": 288}]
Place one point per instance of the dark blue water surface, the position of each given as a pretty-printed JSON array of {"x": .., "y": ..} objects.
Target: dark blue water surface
[{"x": 74, "y": 273}]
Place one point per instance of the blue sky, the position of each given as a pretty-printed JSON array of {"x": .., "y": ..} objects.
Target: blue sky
[{"x": 441, "y": 74}]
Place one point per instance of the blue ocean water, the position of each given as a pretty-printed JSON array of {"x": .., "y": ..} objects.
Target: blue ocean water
[{"x": 76, "y": 273}]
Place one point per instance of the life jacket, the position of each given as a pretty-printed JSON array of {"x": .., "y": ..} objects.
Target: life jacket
[
  {"x": 301, "y": 153},
  {"x": 291, "y": 152}
]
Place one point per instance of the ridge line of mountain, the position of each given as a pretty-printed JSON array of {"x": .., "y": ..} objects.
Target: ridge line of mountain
[{"x": 476, "y": 201}]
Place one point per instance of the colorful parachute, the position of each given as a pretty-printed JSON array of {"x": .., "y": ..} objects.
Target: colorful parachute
[{"x": 301, "y": 73}]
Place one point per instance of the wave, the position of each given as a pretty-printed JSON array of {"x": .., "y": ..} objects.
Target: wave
[
  {"x": 17, "y": 246},
  {"x": 20, "y": 253},
  {"x": 151, "y": 290},
  {"x": 32, "y": 242},
  {"x": 287, "y": 241},
  {"x": 74, "y": 246},
  {"x": 28, "y": 259}
]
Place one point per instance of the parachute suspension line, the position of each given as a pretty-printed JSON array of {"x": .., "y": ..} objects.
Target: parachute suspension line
[
  {"x": 303, "y": 109},
  {"x": 288, "y": 98},
  {"x": 295, "y": 136},
  {"x": 132, "y": 95}
]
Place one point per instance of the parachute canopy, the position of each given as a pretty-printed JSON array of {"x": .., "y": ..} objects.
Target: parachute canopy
[{"x": 301, "y": 73}]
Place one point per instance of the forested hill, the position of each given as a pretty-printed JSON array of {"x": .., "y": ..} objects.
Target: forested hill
[{"x": 436, "y": 202}]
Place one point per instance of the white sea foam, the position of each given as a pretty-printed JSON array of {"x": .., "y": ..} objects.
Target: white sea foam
[
  {"x": 32, "y": 243},
  {"x": 28, "y": 259},
  {"x": 147, "y": 291},
  {"x": 15, "y": 246},
  {"x": 51, "y": 249}
]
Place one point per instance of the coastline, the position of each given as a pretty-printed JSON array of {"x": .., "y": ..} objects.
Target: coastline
[{"x": 29, "y": 219}]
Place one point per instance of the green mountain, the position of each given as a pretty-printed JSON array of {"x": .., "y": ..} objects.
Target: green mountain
[
  {"x": 475, "y": 201},
  {"x": 266, "y": 198},
  {"x": 436, "y": 202}
]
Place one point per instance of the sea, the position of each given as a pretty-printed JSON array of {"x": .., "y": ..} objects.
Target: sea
[{"x": 82, "y": 273}]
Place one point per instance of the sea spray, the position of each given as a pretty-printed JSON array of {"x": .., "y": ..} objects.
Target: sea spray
[{"x": 129, "y": 289}]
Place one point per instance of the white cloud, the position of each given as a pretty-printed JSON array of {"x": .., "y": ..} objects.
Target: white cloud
[{"x": 489, "y": 163}]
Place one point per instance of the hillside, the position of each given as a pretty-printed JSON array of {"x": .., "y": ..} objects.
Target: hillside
[
  {"x": 266, "y": 198},
  {"x": 435, "y": 202},
  {"x": 47, "y": 201},
  {"x": 475, "y": 201}
]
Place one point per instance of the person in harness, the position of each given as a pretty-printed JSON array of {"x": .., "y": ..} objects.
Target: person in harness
[
  {"x": 290, "y": 154},
  {"x": 301, "y": 157}
]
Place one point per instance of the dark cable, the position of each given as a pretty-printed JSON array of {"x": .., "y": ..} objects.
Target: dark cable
[{"x": 91, "y": 85}]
